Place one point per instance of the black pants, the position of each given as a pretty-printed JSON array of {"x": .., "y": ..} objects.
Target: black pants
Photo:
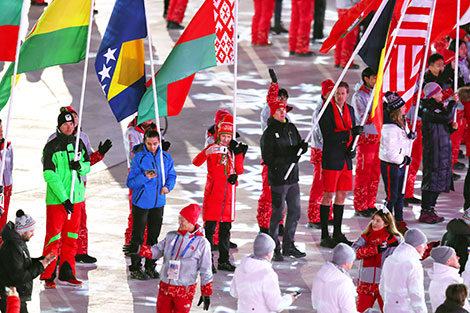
[
  {"x": 3, "y": 305},
  {"x": 277, "y": 12},
  {"x": 153, "y": 218},
  {"x": 428, "y": 199},
  {"x": 289, "y": 194},
  {"x": 224, "y": 238},
  {"x": 318, "y": 18},
  {"x": 393, "y": 177},
  {"x": 466, "y": 189}
]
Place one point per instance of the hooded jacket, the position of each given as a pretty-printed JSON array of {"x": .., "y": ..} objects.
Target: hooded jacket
[
  {"x": 333, "y": 291},
  {"x": 256, "y": 286},
  {"x": 146, "y": 193},
  {"x": 17, "y": 268},
  {"x": 279, "y": 146},
  {"x": 458, "y": 237},
  {"x": 404, "y": 292},
  {"x": 194, "y": 252},
  {"x": 57, "y": 156},
  {"x": 441, "y": 277}
]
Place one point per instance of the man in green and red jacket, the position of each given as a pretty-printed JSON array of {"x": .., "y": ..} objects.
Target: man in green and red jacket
[{"x": 63, "y": 213}]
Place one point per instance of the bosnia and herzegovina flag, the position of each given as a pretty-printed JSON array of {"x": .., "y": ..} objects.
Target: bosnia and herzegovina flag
[
  {"x": 200, "y": 46},
  {"x": 9, "y": 28},
  {"x": 120, "y": 60},
  {"x": 59, "y": 37}
]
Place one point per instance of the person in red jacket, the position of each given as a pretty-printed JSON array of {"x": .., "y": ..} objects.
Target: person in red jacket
[
  {"x": 377, "y": 242},
  {"x": 300, "y": 27},
  {"x": 261, "y": 22},
  {"x": 224, "y": 163}
]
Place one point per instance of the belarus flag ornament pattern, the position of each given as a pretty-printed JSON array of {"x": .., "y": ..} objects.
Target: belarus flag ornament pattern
[{"x": 224, "y": 27}]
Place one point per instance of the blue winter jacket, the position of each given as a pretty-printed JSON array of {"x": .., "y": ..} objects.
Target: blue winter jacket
[{"x": 145, "y": 191}]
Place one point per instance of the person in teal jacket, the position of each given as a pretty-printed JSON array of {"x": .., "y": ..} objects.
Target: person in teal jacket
[
  {"x": 63, "y": 212},
  {"x": 148, "y": 197}
]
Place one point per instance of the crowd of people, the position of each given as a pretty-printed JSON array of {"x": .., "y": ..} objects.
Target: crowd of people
[{"x": 385, "y": 247}]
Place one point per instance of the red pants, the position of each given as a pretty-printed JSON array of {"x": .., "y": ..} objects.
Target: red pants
[
  {"x": 367, "y": 177},
  {"x": 6, "y": 205},
  {"x": 367, "y": 301},
  {"x": 261, "y": 21},
  {"x": 316, "y": 191},
  {"x": 176, "y": 10},
  {"x": 345, "y": 46},
  {"x": 174, "y": 299},
  {"x": 457, "y": 136},
  {"x": 300, "y": 25},
  {"x": 82, "y": 241},
  {"x": 64, "y": 232},
  {"x": 416, "y": 156},
  {"x": 467, "y": 120}
]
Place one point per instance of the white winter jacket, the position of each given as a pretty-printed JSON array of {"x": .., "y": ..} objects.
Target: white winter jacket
[
  {"x": 359, "y": 102},
  {"x": 394, "y": 144},
  {"x": 317, "y": 137},
  {"x": 333, "y": 291},
  {"x": 402, "y": 281},
  {"x": 441, "y": 277},
  {"x": 256, "y": 286}
]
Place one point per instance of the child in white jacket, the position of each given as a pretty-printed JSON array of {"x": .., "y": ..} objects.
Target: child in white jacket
[{"x": 255, "y": 284}]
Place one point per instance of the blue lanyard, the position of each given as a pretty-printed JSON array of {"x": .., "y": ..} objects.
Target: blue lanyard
[{"x": 185, "y": 249}]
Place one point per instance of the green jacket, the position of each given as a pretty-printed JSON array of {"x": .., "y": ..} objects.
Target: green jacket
[{"x": 57, "y": 155}]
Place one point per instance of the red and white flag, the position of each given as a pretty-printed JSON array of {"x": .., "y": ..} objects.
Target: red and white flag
[
  {"x": 405, "y": 61},
  {"x": 224, "y": 29}
]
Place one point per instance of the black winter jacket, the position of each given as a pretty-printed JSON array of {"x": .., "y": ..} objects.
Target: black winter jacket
[
  {"x": 450, "y": 307},
  {"x": 279, "y": 145},
  {"x": 437, "y": 146},
  {"x": 458, "y": 237},
  {"x": 17, "y": 268},
  {"x": 335, "y": 143}
]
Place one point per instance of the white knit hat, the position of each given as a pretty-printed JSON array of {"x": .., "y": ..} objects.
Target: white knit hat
[
  {"x": 415, "y": 237},
  {"x": 263, "y": 245},
  {"x": 24, "y": 222},
  {"x": 343, "y": 254}
]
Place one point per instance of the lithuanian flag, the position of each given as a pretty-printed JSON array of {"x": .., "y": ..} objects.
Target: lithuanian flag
[
  {"x": 59, "y": 37},
  {"x": 9, "y": 28}
]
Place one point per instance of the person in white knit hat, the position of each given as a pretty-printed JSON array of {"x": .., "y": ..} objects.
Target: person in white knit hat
[
  {"x": 255, "y": 284},
  {"x": 17, "y": 268}
]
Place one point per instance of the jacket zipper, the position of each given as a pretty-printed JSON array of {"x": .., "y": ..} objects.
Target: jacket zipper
[{"x": 140, "y": 195}]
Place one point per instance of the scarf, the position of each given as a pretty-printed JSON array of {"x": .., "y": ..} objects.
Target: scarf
[{"x": 343, "y": 123}]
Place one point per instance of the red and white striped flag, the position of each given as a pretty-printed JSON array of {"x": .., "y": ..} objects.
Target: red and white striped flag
[{"x": 405, "y": 61}]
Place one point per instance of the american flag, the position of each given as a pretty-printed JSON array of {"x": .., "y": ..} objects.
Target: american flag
[{"x": 405, "y": 61}]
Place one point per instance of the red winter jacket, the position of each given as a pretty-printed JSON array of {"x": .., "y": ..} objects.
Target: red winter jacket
[{"x": 217, "y": 204}]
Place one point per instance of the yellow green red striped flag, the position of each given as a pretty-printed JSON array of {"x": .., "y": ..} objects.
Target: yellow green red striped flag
[{"x": 59, "y": 37}]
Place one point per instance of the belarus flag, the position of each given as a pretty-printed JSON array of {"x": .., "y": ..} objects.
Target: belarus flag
[
  {"x": 206, "y": 42},
  {"x": 9, "y": 27}
]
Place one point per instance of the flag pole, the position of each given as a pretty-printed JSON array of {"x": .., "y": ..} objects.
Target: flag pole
[
  {"x": 154, "y": 89},
  {"x": 82, "y": 100},
  {"x": 235, "y": 76},
  {"x": 338, "y": 81},
  {"x": 387, "y": 56},
  {"x": 456, "y": 69},
  {"x": 420, "y": 88},
  {"x": 10, "y": 103}
]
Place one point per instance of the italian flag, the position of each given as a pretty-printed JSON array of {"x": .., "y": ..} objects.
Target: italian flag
[
  {"x": 9, "y": 28},
  {"x": 59, "y": 37},
  {"x": 206, "y": 42}
]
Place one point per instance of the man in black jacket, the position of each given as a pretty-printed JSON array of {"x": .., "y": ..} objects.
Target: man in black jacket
[
  {"x": 17, "y": 268},
  {"x": 338, "y": 127},
  {"x": 279, "y": 145}
]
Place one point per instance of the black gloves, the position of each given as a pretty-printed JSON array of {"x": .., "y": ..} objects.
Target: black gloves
[
  {"x": 75, "y": 165},
  {"x": 1, "y": 189},
  {"x": 357, "y": 130},
  {"x": 301, "y": 145},
  {"x": 382, "y": 247},
  {"x": 1, "y": 211},
  {"x": 232, "y": 179},
  {"x": 350, "y": 154},
  {"x": 273, "y": 75},
  {"x": 103, "y": 148},
  {"x": 407, "y": 160},
  {"x": 165, "y": 145},
  {"x": 68, "y": 206},
  {"x": 412, "y": 135},
  {"x": 130, "y": 249},
  {"x": 238, "y": 147},
  {"x": 207, "y": 302}
]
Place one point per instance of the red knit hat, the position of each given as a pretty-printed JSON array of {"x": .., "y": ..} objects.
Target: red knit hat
[
  {"x": 219, "y": 115},
  {"x": 274, "y": 105},
  {"x": 225, "y": 126},
  {"x": 326, "y": 87},
  {"x": 191, "y": 213}
]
